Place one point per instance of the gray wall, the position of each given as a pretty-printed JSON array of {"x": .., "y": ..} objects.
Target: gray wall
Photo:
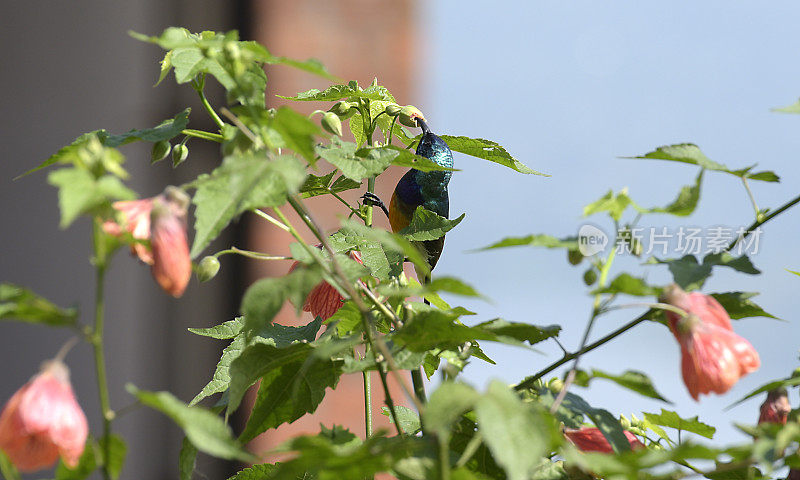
[{"x": 68, "y": 68}]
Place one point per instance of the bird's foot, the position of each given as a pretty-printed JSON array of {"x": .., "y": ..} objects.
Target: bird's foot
[{"x": 375, "y": 201}]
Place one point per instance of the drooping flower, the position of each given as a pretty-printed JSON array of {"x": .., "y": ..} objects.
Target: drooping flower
[
  {"x": 162, "y": 221},
  {"x": 42, "y": 420},
  {"x": 776, "y": 407},
  {"x": 713, "y": 357},
  {"x": 172, "y": 266},
  {"x": 592, "y": 440},
  {"x": 136, "y": 214},
  {"x": 324, "y": 300}
]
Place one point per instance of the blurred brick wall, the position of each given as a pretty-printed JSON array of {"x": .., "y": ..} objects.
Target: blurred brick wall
[{"x": 355, "y": 40}]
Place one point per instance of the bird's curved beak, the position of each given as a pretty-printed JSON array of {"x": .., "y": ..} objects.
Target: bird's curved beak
[{"x": 421, "y": 123}]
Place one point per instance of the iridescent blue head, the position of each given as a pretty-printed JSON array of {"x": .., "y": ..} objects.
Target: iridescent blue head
[{"x": 433, "y": 147}]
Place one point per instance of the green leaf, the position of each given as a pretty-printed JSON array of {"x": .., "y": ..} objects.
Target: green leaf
[
  {"x": 66, "y": 154},
  {"x": 312, "y": 65},
  {"x": 439, "y": 284},
  {"x": 691, "y": 275},
  {"x": 221, "y": 379},
  {"x": 487, "y": 150},
  {"x": 261, "y": 471},
  {"x": 263, "y": 300},
  {"x": 738, "y": 305},
  {"x": 671, "y": 419},
  {"x": 186, "y": 459},
  {"x": 539, "y": 240},
  {"x": 289, "y": 391},
  {"x": 446, "y": 404},
  {"x": 356, "y": 164},
  {"x": 685, "y": 203},
  {"x": 297, "y": 131},
  {"x": 515, "y": 434},
  {"x": 405, "y": 158},
  {"x": 166, "y": 130},
  {"x": 116, "y": 455},
  {"x": 629, "y": 285},
  {"x": 426, "y": 225},
  {"x": 223, "y": 331},
  {"x": 615, "y": 205},
  {"x": 354, "y": 234},
  {"x": 786, "y": 382},
  {"x": 204, "y": 429},
  {"x": 7, "y": 469},
  {"x": 17, "y": 303},
  {"x": 241, "y": 183},
  {"x": 793, "y": 108},
  {"x": 408, "y": 418},
  {"x": 79, "y": 192},
  {"x": 324, "y": 184},
  {"x": 340, "y": 92},
  {"x": 522, "y": 332},
  {"x": 87, "y": 463},
  {"x": 632, "y": 380},
  {"x": 691, "y": 154}
]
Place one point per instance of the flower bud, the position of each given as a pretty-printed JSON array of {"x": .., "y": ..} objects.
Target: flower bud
[
  {"x": 207, "y": 268},
  {"x": 409, "y": 114},
  {"x": 555, "y": 385},
  {"x": 393, "y": 109},
  {"x": 172, "y": 266},
  {"x": 574, "y": 257},
  {"x": 776, "y": 407},
  {"x": 589, "y": 277},
  {"x": 43, "y": 421},
  {"x": 592, "y": 440},
  {"x": 179, "y": 154},
  {"x": 332, "y": 123},
  {"x": 344, "y": 110},
  {"x": 160, "y": 151},
  {"x": 624, "y": 422},
  {"x": 324, "y": 300}
]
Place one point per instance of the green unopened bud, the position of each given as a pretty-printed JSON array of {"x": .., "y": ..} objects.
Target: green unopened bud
[
  {"x": 624, "y": 422},
  {"x": 589, "y": 277},
  {"x": 574, "y": 257},
  {"x": 393, "y": 109},
  {"x": 344, "y": 110},
  {"x": 331, "y": 122},
  {"x": 160, "y": 151},
  {"x": 796, "y": 373},
  {"x": 179, "y": 154},
  {"x": 207, "y": 268},
  {"x": 555, "y": 385},
  {"x": 409, "y": 114}
]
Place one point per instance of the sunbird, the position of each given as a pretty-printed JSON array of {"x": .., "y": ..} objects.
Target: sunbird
[{"x": 417, "y": 188}]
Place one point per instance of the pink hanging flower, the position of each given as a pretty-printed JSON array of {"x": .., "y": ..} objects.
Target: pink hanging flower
[
  {"x": 592, "y": 440},
  {"x": 42, "y": 420},
  {"x": 137, "y": 222},
  {"x": 324, "y": 300},
  {"x": 713, "y": 357},
  {"x": 776, "y": 407},
  {"x": 172, "y": 266},
  {"x": 162, "y": 221}
]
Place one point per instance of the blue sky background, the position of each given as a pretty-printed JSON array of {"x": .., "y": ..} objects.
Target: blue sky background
[{"x": 568, "y": 88}]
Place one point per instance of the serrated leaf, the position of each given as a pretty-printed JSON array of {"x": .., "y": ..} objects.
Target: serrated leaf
[
  {"x": 691, "y": 275},
  {"x": 17, "y": 303},
  {"x": 738, "y": 305},
  {"x": 340, "y": 92},
  {"x": 261, "y": 471},
  {"x": 685, "y": 203},
  {"x": 671, "y": 419},
  {"x": 629, "y": 285},
  {"x": 241, "y": 183},
  {"x": 793, "y": 108},
  {"x": 324, "y": 184},
  {"x": 408, "y": 418},
  {"x": 439, "y": 284},
  {"x": 783, "y": 383},
  {"x": 446, "y": 404},
  {"x": 297, "y": 131},
  {"x": 356, "y": 164},
  {"x": 221, "y": 378},
  {"x": 356, "y": 235},
  {"x": 487, "y": 150},
  {"x": 166, "y": 130},
  {"x": 223, "y": 331},
  {"x": 538, "y": 240},
  {"x": 691, "y": 154},
  {"x": 67, "y": 154},
  {"x": 522, "y": 332},
  {"x": 426, "y": 225},
  {"x": 515, "y": 434},
  {"x": 288, "y": 392},
  {"x": 312, "y": 65},
  {"x": 406, "y": 158},
  {"x": 186, "y": 459},
  {"x": 79, "y": 192},
  {"x": 615, "y": 205},
  {"x": 204, "y": 429},
  {"x": 263, "y": 299},
  {"x": 356, "y": 125},
  {"x": 632, "y": 380}
]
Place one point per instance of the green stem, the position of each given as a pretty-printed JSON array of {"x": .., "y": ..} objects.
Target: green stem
[
  {"x": 444, "y": 459},
  {"x": 767, "y": 218},
  {"x": 214, "y": 137},
  {"x": 338, "y": 197},
  {"x": 367, "y": 401},
  {"x": 198, "y": 87},
  {"x": 419, "y": 385},
  {"x": 752, "y": 197},
  {"x": 530, "y": 381},
  {"x": 249, "y": 254},
  {"x": 97, "y": 344}
]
